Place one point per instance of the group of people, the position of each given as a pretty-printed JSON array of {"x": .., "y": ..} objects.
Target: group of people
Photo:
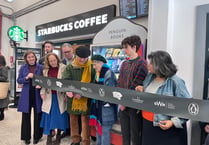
[{"x": 53, "y": 110}]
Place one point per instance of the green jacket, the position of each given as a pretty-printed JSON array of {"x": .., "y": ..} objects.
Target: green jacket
[{"x": 71, "y": 73}]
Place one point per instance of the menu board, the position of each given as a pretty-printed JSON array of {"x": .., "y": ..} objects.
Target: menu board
[
  {"x": 142, "y": 7},
  {"x": 134, "y": 8},
  {"x": 128, "y": 8}
]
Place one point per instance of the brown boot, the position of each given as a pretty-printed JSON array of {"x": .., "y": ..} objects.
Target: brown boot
[
  {"x": 58, "y": 140},
  {"x": 49, "y": 140}
]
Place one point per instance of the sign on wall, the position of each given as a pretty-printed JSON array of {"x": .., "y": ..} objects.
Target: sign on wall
[
  {"x": 86, "y": 23},
  {"x": 16, "y": 33},
  {"x": 19, "y": 55},
  {"x": 21, "y": 50}
]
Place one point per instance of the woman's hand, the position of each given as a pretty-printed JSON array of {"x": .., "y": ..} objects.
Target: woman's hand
[
  {"x": 207, "y": 128},
  {"x": 43, "y": 96},
  {"x": 30, "y": 75},
  {"x": 69, "y": 94},
  {"x": 38, "y": 87},
  {"x": 139, "y": 88},
  {"x": 122, "y": 108},
  {"x": 166, "y": 124}
]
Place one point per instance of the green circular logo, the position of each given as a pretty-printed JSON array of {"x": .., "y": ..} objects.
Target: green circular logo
[{"x": 16, "y": 33}]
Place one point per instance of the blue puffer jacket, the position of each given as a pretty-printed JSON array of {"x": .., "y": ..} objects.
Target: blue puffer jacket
[{"x": 172, "y": 86}]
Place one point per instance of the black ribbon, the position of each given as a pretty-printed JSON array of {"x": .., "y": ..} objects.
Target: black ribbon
[{"x": 193, "y": 109}]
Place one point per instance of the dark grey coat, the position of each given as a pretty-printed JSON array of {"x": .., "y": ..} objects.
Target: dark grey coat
[{"x": 4, "y": 78}]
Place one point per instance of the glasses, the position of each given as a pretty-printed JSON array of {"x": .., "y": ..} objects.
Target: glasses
[{"x": 67, "y": 51}]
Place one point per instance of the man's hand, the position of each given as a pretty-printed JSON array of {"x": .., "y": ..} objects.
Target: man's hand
[
  {"x": 139, "y": 88},
  {"x": 77, "y": 96}
]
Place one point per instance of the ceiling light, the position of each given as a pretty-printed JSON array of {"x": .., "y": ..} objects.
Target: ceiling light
[{"x": 10, "y": 1}]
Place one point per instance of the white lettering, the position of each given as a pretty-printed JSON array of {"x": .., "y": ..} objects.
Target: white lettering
[
  {"x": 104, "y": 18},
  {"x": 87, "y": 22},
  {"x": 53, "y": 30},
  {"x": 61, "y": 28},
  {"x": 82, "y": 23},
  {"x": 98, "y": 20},
  {"x": 70, "y": 26},
  {"x": 92, "y": 21},
  {"x": 65, "y": 27},
  {"x": 49, "y": 30},
  {"x": 76, "y": 24},
  {"x": 39, "y": 33}
]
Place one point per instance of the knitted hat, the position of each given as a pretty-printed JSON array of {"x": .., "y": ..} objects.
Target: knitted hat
[
  {"x": 82, "y": 51},
  {"x": 99, "y": 58}
]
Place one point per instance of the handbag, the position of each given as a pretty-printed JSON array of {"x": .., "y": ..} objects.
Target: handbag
[{"x": 4, "y": 87}]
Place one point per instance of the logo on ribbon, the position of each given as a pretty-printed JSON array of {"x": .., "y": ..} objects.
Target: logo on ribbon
[
  {"x": 49, "y": 83},
  {"x": 117, "y": 95},
  {"x": 101, "y": 92},
  {"x": 193, "y": 108}
]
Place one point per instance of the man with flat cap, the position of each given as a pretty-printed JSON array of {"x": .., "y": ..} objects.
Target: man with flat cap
[
  {"x": 80, "y": 69},
  {"x": 103, "y": 114}
]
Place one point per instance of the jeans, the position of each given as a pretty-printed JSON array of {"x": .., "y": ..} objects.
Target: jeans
[{"x": 105, "y": 138}]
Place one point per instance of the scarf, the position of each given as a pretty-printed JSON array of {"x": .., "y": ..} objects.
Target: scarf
[
  {"x": 96, "y": 106},
  {"x": 81, "y": 104}
]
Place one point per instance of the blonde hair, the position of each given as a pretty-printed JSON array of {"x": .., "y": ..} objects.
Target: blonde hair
[{"x": 46, "y": 63}]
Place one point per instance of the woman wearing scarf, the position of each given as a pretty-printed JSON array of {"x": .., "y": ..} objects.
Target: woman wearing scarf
[
  {"x": 80, "y": 69},
  {"x": 103, "y": 114}
]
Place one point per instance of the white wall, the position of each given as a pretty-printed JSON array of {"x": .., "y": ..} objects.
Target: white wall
[
  {"x": 175, "y": 32},
  {"x": 179, "y": 38},
  {"x": 6, "y": 50}
]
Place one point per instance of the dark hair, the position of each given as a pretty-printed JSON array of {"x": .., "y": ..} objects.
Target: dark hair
[
  {"x": 132, "y": 40},
  {"x": 27, "y": 53},
  {"x": 162, "y": 64},
  {"x": 48, "y": 42},
  {"x": 2, "y": 61}
]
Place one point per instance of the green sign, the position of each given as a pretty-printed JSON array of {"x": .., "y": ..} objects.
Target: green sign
[{"x": 16, "y": 33}]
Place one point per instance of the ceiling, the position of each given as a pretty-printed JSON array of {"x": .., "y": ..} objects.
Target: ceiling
[
  {"x": 18, "y": 5},
  {"x": 21, "y": 7}
]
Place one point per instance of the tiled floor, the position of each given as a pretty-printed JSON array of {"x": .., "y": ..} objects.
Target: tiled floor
[{"x": 10, "y": 130}]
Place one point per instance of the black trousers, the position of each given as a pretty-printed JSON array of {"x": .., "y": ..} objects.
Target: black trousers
[
  {"x": 131, "y": 125},
  {"x": 26, "y": 120},
  {"x": 26, "y": 126}
]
